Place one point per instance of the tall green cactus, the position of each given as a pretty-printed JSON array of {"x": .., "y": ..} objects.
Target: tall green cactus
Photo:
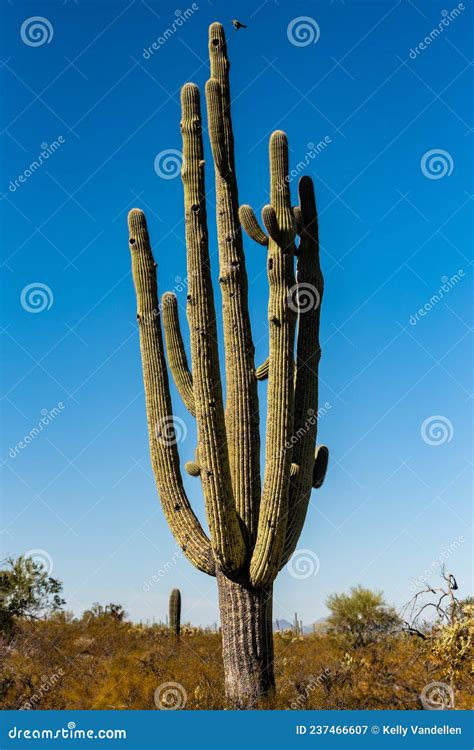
[
  {"x": 253, "y": 528},
  {"x": 175, "y": 612}
]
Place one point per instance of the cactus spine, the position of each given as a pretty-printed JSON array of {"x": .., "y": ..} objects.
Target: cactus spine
[
  {"x": 175, "y": 612},
  {"x": 253, "y": 528}
]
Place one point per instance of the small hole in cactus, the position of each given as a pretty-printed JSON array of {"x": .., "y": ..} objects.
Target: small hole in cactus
[
  {"x": 188, "y": 297},
  {"x": 132, "y": 241},
  {"x": 177, "y": 506},
  {"x": 215, "y": 42},
  {"x": 195, "y": 208},
  {"x": 270, "y": 264}
]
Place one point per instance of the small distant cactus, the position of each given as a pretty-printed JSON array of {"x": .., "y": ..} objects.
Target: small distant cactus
[
  {"x": 297, "y": 626},
  {"x": 175, "y": 612}
]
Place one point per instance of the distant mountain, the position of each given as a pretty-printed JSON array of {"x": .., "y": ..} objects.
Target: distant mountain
[{"x": 283, "y": 625}]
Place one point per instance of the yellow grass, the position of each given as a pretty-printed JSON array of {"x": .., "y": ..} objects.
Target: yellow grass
[{"x": 105, "y": 664}]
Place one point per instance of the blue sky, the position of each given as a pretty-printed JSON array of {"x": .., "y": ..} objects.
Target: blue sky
[{"x": 395, "y": 221}]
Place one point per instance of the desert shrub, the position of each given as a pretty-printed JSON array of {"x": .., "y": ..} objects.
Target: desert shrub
[
  {"x": 362, "y": 616},
  {"x": 453, "y": 644},
  {"x": 27, "y": 590}
]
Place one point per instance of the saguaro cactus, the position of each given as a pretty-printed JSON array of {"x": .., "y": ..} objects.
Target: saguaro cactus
[
  {"x": 253, "y": 528},
  {"x": 175, "y": 612}
]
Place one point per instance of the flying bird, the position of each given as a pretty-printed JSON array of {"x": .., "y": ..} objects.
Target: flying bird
[{"x": 237, "y": 25}]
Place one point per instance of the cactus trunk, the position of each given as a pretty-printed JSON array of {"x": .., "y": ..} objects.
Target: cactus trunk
[{"x": 247, "y": 642}]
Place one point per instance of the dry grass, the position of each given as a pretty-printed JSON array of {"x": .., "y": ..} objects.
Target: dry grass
[{"x": 105, "y": 664}]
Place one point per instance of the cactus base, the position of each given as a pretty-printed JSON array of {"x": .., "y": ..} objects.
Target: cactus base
[{"x": 247, "y": 642}]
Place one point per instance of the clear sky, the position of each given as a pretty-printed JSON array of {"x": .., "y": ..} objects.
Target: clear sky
[{"x": 395, "y": 221}]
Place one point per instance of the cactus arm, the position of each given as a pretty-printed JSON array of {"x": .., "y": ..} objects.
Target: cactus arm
[
  {"x": 298, "y": 218},
  {"x": 216, "y": 127},
  {"x": 177, "y": 360},
  {"x": 308, "y": 353},
  {"x": 226, "y": 538},
  {"x": 250, "y": 223},
  {"x": 268, "y": 550},
  {"x": 261, "y": 373},
  {"x": 242, "y": 415},
  {"x": 270, "y": 220},
  {"x": 320, "y": 466},
  {"x": 164, "y": 452},
  {"x": 192, "y": 468}
]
